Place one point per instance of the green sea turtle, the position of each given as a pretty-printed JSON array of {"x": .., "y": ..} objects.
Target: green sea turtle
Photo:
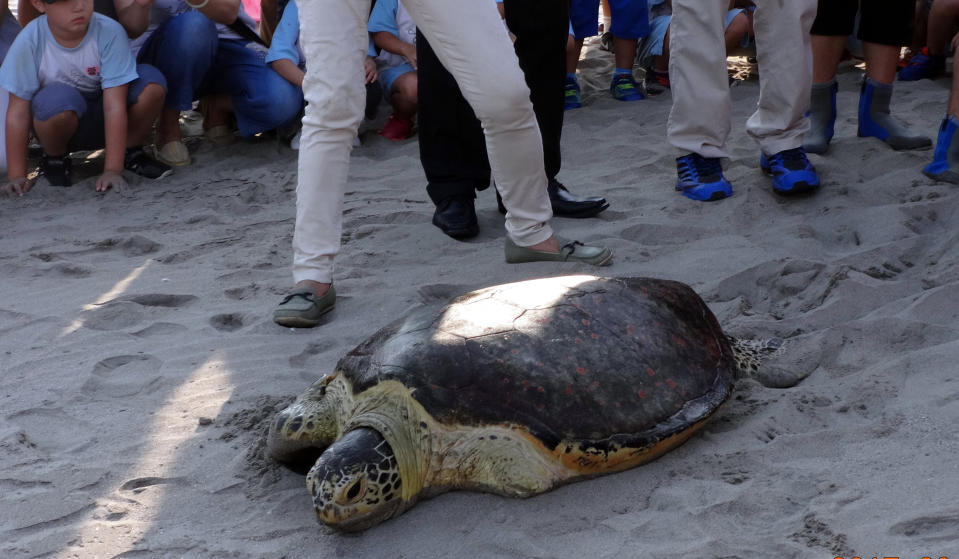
[{"x": 513, "y": 389}]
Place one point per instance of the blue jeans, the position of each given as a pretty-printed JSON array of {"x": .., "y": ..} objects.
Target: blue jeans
[
  {"x": 196, "y": 62},
  {"x": 59, "y": 97}
]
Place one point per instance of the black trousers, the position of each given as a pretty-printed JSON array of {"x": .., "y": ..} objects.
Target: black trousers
[
  {"x": 452, "y": 145},
  {"x": 884, "y": 22}
]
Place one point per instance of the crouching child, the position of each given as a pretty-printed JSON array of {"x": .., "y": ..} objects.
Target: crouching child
[{"x": 72, "y": 78}]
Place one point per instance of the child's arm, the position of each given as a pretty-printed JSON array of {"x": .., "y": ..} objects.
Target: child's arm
[
  {"x": 369, "y": 68},
  {"x": 220, "y": 11},
  {"x": 391, "y": 43},
  {"x": 115, "y": 132},
  {"x": 133, "y": 15},
  {"x": 26, "y": 12},
  {"x": 290, "y": 71},
  {"x": 18, "y": 128}
]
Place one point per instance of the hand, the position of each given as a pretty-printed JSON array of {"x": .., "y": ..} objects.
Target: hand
[
  {"x": 410, "y": 55},
  {"x": 111, "y": 179},
  {"x": 369, "y": 68},
  {"x": 18, "y": 186}
]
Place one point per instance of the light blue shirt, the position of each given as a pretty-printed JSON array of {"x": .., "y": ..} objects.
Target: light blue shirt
[
  {"x": 101, "y": 60},
  {"x": 286, "y": 37}
]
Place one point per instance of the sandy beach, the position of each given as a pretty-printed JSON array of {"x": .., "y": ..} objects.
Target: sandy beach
[{"x": 140, "y": 363}]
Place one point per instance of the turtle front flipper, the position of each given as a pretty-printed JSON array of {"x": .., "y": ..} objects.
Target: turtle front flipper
[
  {"x": 750, "y": 355},
  {"x": 302, "y": 431}
]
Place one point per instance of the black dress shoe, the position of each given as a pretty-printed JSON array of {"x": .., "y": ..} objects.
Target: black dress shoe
[
  {"x": 565, "y": 204},
  {"x": 456, "y": 217}
]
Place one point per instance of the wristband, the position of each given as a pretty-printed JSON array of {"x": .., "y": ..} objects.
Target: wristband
[{"x": 197, "y": 6}]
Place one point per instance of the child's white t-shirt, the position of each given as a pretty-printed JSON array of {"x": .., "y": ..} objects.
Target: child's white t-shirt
[{"x": 36, "y": 59}]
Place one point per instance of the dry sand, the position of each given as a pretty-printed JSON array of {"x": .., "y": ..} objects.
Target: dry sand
[{"x": 139, "y": 361}]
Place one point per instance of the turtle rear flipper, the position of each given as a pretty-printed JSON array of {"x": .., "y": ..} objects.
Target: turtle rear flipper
[{"x": 750, "y": 355}]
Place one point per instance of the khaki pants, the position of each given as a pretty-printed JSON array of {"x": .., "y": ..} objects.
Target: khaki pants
[
  {"x": 469, "y": 39},
  {"x": 699, "y": 121}
]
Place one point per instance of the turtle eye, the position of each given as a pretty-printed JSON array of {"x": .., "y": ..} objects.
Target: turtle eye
[{"x": 353, "y": 492}]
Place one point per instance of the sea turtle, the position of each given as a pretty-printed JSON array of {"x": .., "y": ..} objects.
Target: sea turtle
[{"x": 513, "y": 389}]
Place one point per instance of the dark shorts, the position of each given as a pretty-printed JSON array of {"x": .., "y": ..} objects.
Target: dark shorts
[
  {"x": 60, "y": 97},
  {"x": 885, "y": 22}
]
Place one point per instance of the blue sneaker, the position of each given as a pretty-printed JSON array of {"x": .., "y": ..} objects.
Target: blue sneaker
[
  {"x": 701, "y": 178},
  {"x": 573, "y": 96},
  {"x": 923, "y": 65},
  {"x": 623, "y": 87},
  {"x": 791, "y": 171}
]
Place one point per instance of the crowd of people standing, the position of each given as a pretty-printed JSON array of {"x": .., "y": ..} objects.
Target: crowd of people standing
[{"x": 484, "y": 89}]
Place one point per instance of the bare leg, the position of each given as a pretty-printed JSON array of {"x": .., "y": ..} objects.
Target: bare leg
[
  {"x": 403, "y": 96},
  {"x": 826, "y": 53},
  {"x": 55, "y": 132},
  {"x": 573, "y": 49},
  {"x": 735, "y": 31},
  {"x": 881, "y": 61},
  {"x": 625, "y": 50},
  {"x": 140, "y": 116},
  {"x": 954, "y": 94},
  {"x": 942, "y": 25},
  {"x": 168, "y": 127}
]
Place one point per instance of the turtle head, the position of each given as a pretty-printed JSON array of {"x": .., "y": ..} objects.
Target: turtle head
[
  {"x": 299, "y": 433},
  {"x": 356, "y": 482}
]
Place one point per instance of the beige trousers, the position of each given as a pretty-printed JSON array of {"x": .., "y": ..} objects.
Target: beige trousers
[
  {"x": 699, "y": 121},
  {"x": 469, "y": 39}
]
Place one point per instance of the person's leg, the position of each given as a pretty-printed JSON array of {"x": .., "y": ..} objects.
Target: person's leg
[
  {"x": 262, "y": 100},
  {"x": 738, "y": 27},
  {"x": 403, "y": 96},
  {"x": 930, "y": 61},
  {"x": 699, "y": 120},
  {"x": 183, "y": 50},
  {"x": 334, "y": 40},
  {"x": 493, "y": 83},
  {"x": 630, "y": 22},
  {"x": 541, "y": 28},
  {"x": 945, "y": 160},
  {"x": 835, "y": 21},
  {"x": 402, "y": 83},
  {"x": 452, "y": 146},
  {"x": 144, "y": 101},
  {"x": 785, "y": 78},
  {"x": 884, "y": 28},
  {"x": 57, "y": 111}
]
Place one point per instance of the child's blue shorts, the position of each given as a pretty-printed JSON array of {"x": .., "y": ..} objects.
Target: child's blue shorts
[
  {"x": 630, "y": 18},
  {"x": 58, "y": 97}
]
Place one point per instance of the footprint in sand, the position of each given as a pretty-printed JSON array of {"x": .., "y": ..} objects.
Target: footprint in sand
[
  {"x": 123, "y": 376},
  {"x": 228, "y": 322},
  {"x": 126, "y": 312}
]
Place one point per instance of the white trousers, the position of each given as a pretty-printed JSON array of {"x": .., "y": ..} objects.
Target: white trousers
[
  {"x": 699, "y": 121},
  {"x": 469, "y": 39}
]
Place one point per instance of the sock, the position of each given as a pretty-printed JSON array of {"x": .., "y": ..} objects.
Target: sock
[
  {"x": 622, "y": 72},
  {"x": 571, "y": 76}
]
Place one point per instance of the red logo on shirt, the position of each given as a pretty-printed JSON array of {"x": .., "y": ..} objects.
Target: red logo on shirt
[{"x": 93, "y": 71}]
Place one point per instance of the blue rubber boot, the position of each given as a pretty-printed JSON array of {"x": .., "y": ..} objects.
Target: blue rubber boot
[
  {"x": 945, "y": 160},
  {"x": 875, "y": 121},
  {"x": 822, "y": 117},
  {"x": 791, "y": 171},
  {"x": 701, "y": 178}
]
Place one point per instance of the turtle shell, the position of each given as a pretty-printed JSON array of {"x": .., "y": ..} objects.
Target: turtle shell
[{"x": 624, "y": 361}]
